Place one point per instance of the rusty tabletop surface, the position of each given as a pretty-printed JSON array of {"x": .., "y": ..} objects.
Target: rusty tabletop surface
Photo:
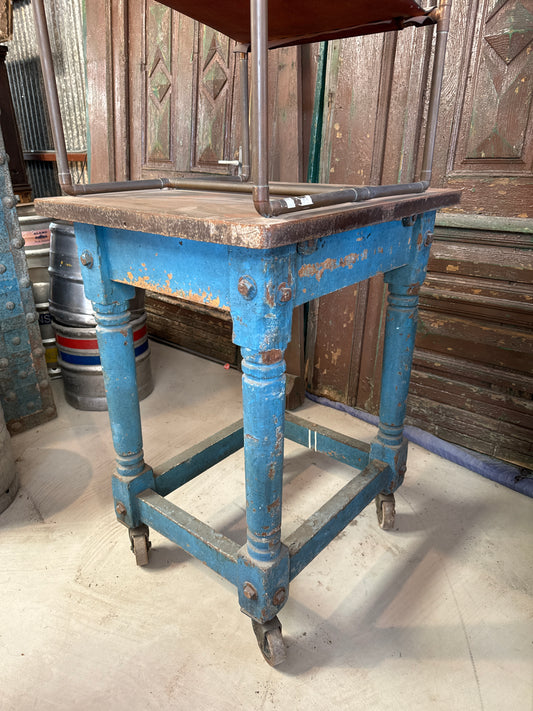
[{"x": 230, "y": 218}]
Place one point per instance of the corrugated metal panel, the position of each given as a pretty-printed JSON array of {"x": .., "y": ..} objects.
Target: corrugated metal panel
[{"x": 65, "y": 22}]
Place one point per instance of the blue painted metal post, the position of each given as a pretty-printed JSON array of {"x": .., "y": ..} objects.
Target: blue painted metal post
[
  {"x": 263, "y": 391},
  {"x": 261, "y": 307},
  {"x": 115, "y": 343},
  {"x": 400, "y": 333},
  {"x": 264, "y": 565}
]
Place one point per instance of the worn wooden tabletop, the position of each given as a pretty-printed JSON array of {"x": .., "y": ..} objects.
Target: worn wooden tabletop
[{"x": 230, "y": 218}]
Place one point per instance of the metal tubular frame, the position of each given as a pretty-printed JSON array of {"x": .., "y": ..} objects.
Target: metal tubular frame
[
  {"x": 267, "y": 207},
  {"x": 299, "y": 196}
]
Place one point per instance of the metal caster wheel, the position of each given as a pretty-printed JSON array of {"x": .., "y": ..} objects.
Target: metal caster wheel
[
  {"x": 270, "y": 641},
  {"x": 386, "y": 511},
  {"x": 140, "y": 543}
]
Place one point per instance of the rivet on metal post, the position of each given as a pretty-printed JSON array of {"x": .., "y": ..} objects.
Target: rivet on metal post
[
  {"x": 247, "y": 287},
  {"x": 429, "y": 238},
  {"x": 86, "y": 259},
  {"x": 120, "y": 508},
  {"x": 285, "y": 293},
  {"x": 279, "y": 596},
  {"x": 249, "y": 591}
]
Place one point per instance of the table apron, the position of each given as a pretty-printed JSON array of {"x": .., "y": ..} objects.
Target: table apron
[{"x": 208, "y": 273}]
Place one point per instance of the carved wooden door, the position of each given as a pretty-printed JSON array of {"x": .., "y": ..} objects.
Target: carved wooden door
[
  {"x": 472, "y": 380},
  {"x": 185, "y": 116},
  {"x": 183, "y": 87}
]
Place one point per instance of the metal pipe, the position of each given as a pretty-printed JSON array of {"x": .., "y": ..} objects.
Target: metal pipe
[
  {"x": 310, "y": 191},
  {"x": 50, "y": 86},
  {"x": 295, "y": 203},
  {"x": 298, "y": 196},
  {"x": 245, "y": 117},
  {"x": 229, "y": 185},
  {"x": 442, "y": 16},
  {"x": 259, "y": 39},
  {"x": 58, "y": 133}
]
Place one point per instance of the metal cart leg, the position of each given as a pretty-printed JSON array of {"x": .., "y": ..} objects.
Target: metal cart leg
[
  {"x": 264, "y": 561},
  {"x": 115, "y": 343},
  {"x": 400, "y": 333}
]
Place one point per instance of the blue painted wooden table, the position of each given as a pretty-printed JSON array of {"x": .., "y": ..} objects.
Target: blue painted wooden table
[{"x": 213, "y": 248}]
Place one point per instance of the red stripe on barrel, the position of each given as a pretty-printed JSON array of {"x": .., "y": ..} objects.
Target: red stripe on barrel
[{"x": 92, "y": 343}]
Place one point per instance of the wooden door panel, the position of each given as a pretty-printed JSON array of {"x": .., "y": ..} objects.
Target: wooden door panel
[
  {"x": 496, "y": 111},
  {"x": 489, "y": 435},
  {"x": 182, "y": 93},
  {"x": 158, "y": 85},
  {"x": 481, "y": 341},
  {"x": 214, "y": 79},
  {"x": 485, "y": 127},
  {"x": 475, "y": 338}
]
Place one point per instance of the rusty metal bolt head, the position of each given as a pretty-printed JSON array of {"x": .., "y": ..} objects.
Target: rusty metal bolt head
[
  {"x": 87, "y": 259},
  {"x": 409, "y": 221},
  {"x": 285, "y": 293},
  {"x": 249, "y": 591},
  {"x": 429, "y": 238},
  {"x": 279, "y": 596},
  {"x": 120, "y": 508},
  {"x": 247, "y": 287}
]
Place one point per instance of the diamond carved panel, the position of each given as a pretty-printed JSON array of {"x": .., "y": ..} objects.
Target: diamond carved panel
[
  {"x": 214, "y": 73},
  {"x": 159, "y": 82},
  {"x": 158, "y": 53},
  {"x": 501, "y": 104},
  {"x": 214, "y": 80}
]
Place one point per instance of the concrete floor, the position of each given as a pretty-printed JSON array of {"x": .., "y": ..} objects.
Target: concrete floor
[{"x": 433, "y": 615}]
